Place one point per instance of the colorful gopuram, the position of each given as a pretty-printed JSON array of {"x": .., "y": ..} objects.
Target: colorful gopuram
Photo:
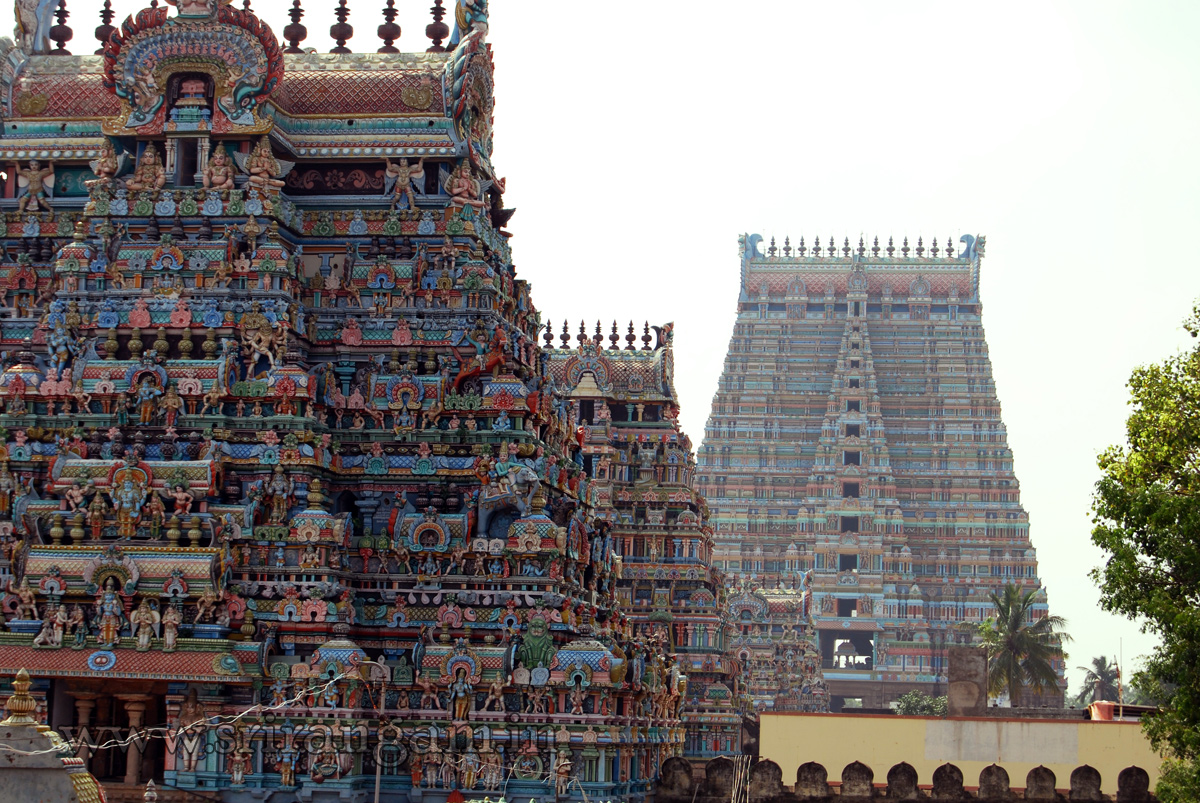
[
  {"x": 855, "y": 458},
  {"x": 283, "y": 466},
  {"x": 643, "y": 496}
]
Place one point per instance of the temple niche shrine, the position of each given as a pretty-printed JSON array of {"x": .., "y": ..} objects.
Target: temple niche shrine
[
  {"x": 283, "y": 464},
  {"x": 858, "y": 472}
]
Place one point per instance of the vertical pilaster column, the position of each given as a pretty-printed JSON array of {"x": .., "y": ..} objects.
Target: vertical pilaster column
[
  {"x": 135, "y": 709},
  {"x": 84, "y": 705}
]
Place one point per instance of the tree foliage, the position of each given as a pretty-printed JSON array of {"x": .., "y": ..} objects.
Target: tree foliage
[
  {"x": 1021, "y": 653},
  {"x": 916, "y": 703},
  {"x": 1147, "y": 520},
  {"x": 1100, "y": 681}
]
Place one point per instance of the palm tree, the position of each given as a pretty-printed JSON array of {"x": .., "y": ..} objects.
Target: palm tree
[
  {"x": 1100, "y": 682},
  {"x": 1020, "y": 654}
]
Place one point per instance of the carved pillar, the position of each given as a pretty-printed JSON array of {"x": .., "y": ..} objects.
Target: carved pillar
[
  {"x": 84, "y": 705},
  {"x": 135, "y": 709}
]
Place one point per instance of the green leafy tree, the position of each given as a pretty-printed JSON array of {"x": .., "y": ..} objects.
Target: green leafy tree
[
  {"x": 1021, "y": 654},
  {"x": 1147, "y": 520},
  {"x": 1100, "y": 682},
  {"x": 916, "y": 703}
]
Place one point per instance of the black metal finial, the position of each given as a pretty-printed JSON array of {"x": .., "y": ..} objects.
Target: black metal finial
[
  {"x": 294, "y": 32},
  {"x": 772, "y": 250},
  {"x": 933, "y": 249},
  {"x": 891, "y": 249},
  {"x": 61, "y": 33},
  {"x": 615, "y": 337},
  {"x": 565, "y": 337},
  {"x": 106, "y": 29},
  {"x": 904, "y": 248},
  {"x": 920, "y": 246},
  {"x": 802, "y": 250},
  {"x": 548, "y": 336},
  {"x": 817, "y": 246},
  {"x": 629, "y": 338},
  {"x": 389, "y": 31},
  {"x": 875, "y": 248},
  {"x": 437, "y": 30},
  {"x": 341, "y": 30},
  {"x": 862, "y": 249},
  {"x": 846, "y": 248},
  {"x": 787, "y": 246}
]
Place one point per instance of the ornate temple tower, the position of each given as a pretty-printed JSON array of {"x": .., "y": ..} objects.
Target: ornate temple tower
[
  {"x": 855, "y": 456},
  {"x": 282, "y": 464},
  {"x": 626, "y": 409}
]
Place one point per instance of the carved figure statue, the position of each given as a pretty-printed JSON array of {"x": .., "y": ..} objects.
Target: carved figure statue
[
  {"x": 429, "y": 698},
  {"x": 110, "y": 615},
  {"x": 172, "y": 405},
  {"x": 37, "y": 184},
  {"x": 495, "y": 698},
  {"x": 147, "y": 394},
  {"x": 107, "y": 165},
  {"x": 537, "y": 649},
  {"x": 143, "y": 620},
  {"x": 183, "y": 500},
  {"x": 263, "y": 167},
  {"x": 218, "y": 174},
  {"x": 401, "y": 175},
  {"x": 462, "y": 695},
  {"x": 562, "y": 773},
  {"x": 26, "y": 602},
  {"x": 127, "y": 501},
  {"x": 149, "y": 173},
  {"x": 463, "y": 188},
  {"x": 171, "y": 619},
  {"x": 279, "y": 488}
]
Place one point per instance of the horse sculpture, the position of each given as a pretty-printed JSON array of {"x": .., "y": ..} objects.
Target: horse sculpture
[{"x": 523, "y": 483}]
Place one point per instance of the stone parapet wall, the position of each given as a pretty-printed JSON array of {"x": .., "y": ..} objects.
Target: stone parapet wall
[{"x": 726, "y": 779}]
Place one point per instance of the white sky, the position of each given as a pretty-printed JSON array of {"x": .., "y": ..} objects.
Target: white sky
[{"x": 640, "y": 138}]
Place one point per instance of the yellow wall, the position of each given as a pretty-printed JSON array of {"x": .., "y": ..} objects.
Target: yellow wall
[{"x": 1018, "y": 745}]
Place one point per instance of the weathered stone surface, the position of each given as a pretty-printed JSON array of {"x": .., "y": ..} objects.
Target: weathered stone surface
[
  {"x": 966, "y": 694},
  {"x": 1085, "y": 784}
]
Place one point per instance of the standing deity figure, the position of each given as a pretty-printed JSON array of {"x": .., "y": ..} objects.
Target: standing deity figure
[
  {"x": 218, "y": 174},
  {"x": 37, "y": 184},
  {"x": 77, "y": 625},
  {"x": 7, "y": 486},
  {"x": 127, "y": 501},
  {"x": 172, "y": 405},
  {"x": 462, "y": 695},
  {"x": 26, "y": 602},
  {"x": 149, "y": 173},
  {"x": 147, "y": 400},
  {"x": 171, "y": 619},
  {"x": 279, "y": 488},
  {"x": 263, "y": 167},
  {"x": 404, "y": 174},
  {"x": 110, "y": 614},
  {"x": 562, "y": 773},
  {"x": 463, "y": 188},
  {"x": 143, "y": 620}
]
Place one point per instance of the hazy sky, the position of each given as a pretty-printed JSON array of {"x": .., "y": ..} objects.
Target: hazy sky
[{"x": 640, "y": 138}]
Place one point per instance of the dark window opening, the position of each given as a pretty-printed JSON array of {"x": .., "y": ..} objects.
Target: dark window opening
[
  {"x": 847, "y": 562},
  {"x": 849, "y": 524},
  {"x": 851, "y": 458},
  {"x": 187, "y": 162},
  {"x": 847, "y": 607},
  {"x": 853, "y": 430},
  {"x": 587, "y": 412},
  {"x": 854, "y": 363},
  {"x": 854, "y": 406},
  {"x": 850, "y": 490},
  {"x": 854, "y": 383},
  {"x": 856, "y": 313}
]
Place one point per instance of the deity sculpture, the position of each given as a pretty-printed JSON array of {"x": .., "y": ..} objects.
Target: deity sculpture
[
  {"x": 495, "y": 698},
  {"x": 218, "y": 174},
  {"x": 171, "y": 620},
  {"x": 143, "y": 620},
  {"x": 110, "y": 615},
  {"x": 462, "y": 695},
  {"x": 463, "y": 188},
  {"x": 279, "y": 489},
  {"x": 263, "y": 167},
  {"x": 172, "y": 405},
  {"x": 149, "y": 173},
  {"x": 127, "y": 501},
  {"x": 147, "y": 394},
  {"x": 403, "y": 175},
  {"x": 37, "y": 182},
  {"x": 26, "y": 607},
  {"x": 537, "y": 649},
  {"x": 107, "y": 165}
]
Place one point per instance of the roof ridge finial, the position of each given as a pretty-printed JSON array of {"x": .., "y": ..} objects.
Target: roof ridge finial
[
  {"x": 389, "y": 31},
  {"x": 106, "y": 29},
  {"x": 341, "y": 30},
  {"x": 295, "y": 32},
  {"x": 437, "y": 30},
  {"x": 21, "y": 704}
]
